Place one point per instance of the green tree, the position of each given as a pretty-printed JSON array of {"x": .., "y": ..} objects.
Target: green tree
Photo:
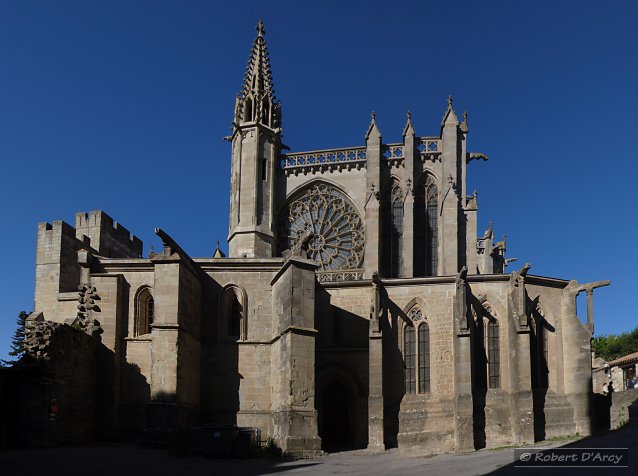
[
  {"x": 612, "y": 346},
  {"x": 17, "y": 341}
]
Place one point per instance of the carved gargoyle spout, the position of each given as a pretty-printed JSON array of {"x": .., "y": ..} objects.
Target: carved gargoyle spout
[{"x": 300, "y": 248}]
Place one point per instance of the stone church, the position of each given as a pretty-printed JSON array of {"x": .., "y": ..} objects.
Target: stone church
[{"x": 359, "y": 306}]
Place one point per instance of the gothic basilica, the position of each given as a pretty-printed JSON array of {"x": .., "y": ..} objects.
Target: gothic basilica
[{"x": 359, "y": 306}]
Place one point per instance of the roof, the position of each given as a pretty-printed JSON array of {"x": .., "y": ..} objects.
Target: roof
[{"x": 625, "y": 359}]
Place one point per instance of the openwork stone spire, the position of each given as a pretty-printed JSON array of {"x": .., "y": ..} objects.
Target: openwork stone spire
[{"x": 256, "y": 101}]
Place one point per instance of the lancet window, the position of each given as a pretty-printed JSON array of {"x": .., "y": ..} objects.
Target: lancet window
[
  {"x": 416, "y": 353},
  {"x": 487, "y": 349},
  {"x": 493, "y": 354},
  {"x": 233, "y": 322},
  {"x": 426, "y": 229},
  {"x": 393, "y": 231},
  {"x": 144, "y": 311}
]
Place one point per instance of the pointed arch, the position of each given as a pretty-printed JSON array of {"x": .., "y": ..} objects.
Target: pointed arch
[
  {"x": 392, "y": 226},
  {"x": 416, "y": 351},
  {"x": 265, "y": 109},
  {"x": 409, "y": 357},
  {"x": 424, "y": 357},
  {"x": 493, "y": 354},
  {"x": 233, "y": 312},
  {"x": 248, "y": 109},
  {"x": 487, "y": 346},
  {"x": 144, "y": 311},
  {"x": 426, "y": 227}
]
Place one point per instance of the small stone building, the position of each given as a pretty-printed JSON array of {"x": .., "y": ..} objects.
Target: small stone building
[{"x": 358, "y": 307}]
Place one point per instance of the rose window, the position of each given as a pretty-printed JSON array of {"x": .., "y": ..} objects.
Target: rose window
[{"x": 336, "y": 237}]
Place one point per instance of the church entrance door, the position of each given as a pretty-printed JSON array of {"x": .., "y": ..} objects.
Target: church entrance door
[{"x": 334, "y": 418}]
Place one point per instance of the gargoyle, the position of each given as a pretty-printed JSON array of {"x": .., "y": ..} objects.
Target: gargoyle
[
  {"x": 300, "y": 248},
  {"x": 475, "y": 156}
]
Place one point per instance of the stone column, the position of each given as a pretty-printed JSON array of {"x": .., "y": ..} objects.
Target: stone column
[
  {"x": 164, "y": 346},
  {"x": 293, "y": 360},
  {"x": 449, "y": 231},
  {"x": 451, "y": 190},
  {"x": 372, "y": 258},
  {"x": 517, "y": 372},
  {"x": 375, "y": 362},
  {"x": 408, "y": 205},
  {"x": 463, "y": 400}
]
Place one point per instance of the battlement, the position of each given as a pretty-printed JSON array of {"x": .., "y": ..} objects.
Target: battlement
[{"x": 107, "y": 237}]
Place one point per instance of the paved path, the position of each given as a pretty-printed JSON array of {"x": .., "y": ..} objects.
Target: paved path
[{"x": 123, "y": 461}]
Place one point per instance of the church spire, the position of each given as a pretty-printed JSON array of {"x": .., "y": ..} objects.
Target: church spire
[{"x": 256, "y": 102}]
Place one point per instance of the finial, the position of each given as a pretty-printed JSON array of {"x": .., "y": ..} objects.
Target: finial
[
  {"x": 450, "y": 100},
  {"x": 475, "y": 194},
  {"x": 491, "y": 224},
  {"x": 217, "y": 244},
  {"x": 261, "y": 31},
  {"x": 408, "y": 125},
  {"x": 465, "y": 116},
  {"x": 373, "y": 116}
]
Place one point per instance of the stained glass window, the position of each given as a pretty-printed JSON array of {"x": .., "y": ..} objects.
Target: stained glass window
[
  {"x": 337, "y": 235},
  {"x": 424, "y": 358},
  {"x": 393, "y": 232},
  {"x": 426, "y": 229},
  {"x": 493, "y": 354},
  {"x": 409, "y": 353}
]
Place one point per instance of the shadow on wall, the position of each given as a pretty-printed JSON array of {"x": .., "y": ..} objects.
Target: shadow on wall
[
  {"x": 341, "y": 369},
  {"x": 67, "y": 395},
  {"x": 220, "y": 377},
  {"x": 393, "y": 370}
]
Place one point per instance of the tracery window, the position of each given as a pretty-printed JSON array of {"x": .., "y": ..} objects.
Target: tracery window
[
  {"x": 426, "y": 229},
  {"x": 144, "y": 311},
  {"x": 325, "y": 217},
  {"x": 493, "y": 354},
  {"x": 487, "y": 356},
  {"x": 416, "y": 352},
  {"x": 424, "y": 358},
  {"x": 393, "y": 231},
  {"x": 409, "y": 354}
]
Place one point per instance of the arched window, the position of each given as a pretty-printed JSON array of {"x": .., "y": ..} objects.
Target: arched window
[
  {"x": 234, "y": 324},
  {"x": 426, "y": 229},
  {"x": 416, "y": 352},
  {"x": 248, "y": 110},
  {"x": 144, "y": 311},
  {"x": 233, "y": 313},
  {"x": 493, "y": 354},
  {"x": 266, "y": 111},
  {"x": 424, "y": 358},
  {"x": 409, "y": 353},
  {"x": 393, "y": 231}
]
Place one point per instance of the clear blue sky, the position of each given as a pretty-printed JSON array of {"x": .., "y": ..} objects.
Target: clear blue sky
[{"x": 122, "y": 106}]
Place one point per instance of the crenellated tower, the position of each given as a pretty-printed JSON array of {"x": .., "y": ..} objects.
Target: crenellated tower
[{"x": 256, "y": 144}]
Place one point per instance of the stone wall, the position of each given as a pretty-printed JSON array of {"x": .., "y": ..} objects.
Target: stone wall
[
  {"x": 53, "y": 399},
  {"x": 620, "y": 403}
]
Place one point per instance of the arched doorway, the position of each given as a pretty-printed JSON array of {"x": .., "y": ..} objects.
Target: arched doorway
[{"x": 335, "y": 418}]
